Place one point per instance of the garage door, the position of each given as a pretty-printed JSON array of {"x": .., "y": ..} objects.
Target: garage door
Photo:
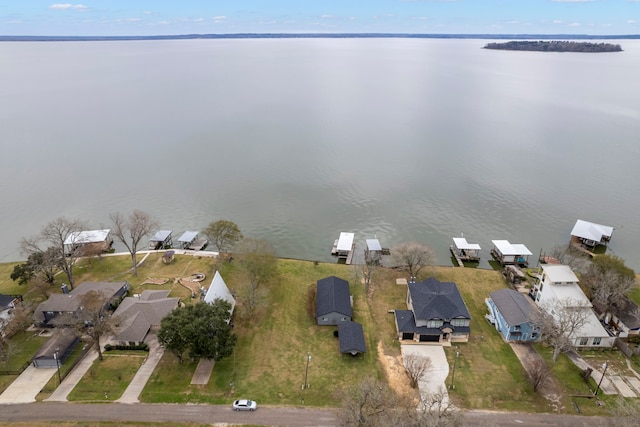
[
  {"x": 407, "y": 335},
  {"x": 429, "y": 338}
]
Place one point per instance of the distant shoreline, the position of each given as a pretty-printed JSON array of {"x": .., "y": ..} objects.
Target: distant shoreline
[
  {"x": 323, "y": 35},
  {"x": 555, "y": 46}
]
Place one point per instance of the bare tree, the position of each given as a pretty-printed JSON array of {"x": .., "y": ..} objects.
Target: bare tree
[
  {"x": 417, "y": 368},
  {"x": 568, "y": 255},
  {"x": 258, "y": 266},
  {"x": 224, "y": 234},
  {"x": 539, "y": 373},
  {"x": 131, "y": 230},
  {"x": 368, "y": 271},
  {"x": 21, "y": 318},
  {"x": 412, "y": 257},
  {"x": 608, "y": 281},
  {"x": 55, "y": 234},
  {"x": 436, "y": 410},
  {"x": 367, "y": 403},
  {"x": 93, "y": 319},
  {"x": 561, "y": 320}
]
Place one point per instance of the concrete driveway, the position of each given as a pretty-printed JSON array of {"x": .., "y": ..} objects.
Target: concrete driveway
[
  {"x": 434, "y": 381},
  {"x": 26, "y": 387}
]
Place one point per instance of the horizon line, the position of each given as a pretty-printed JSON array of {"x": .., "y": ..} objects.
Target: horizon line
[{"x": 250, "y": 35}]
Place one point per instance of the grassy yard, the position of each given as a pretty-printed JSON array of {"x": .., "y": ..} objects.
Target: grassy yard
[
  {"x": 269, "y": 362},
  {"x": 270, "y": 359},
  {"x": 23, "y": 347},
  {"x": 107, "y": 379}
]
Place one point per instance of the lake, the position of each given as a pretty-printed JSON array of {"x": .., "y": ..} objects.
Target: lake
[{"x": 296, "y": 140}]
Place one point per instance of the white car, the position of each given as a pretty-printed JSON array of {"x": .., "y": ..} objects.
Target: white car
[{"x": 245, "y": 405}]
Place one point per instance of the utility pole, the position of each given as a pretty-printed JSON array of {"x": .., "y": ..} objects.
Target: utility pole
[
  {"x": 605, "y": 365},
  {"x": 453, "y": 374},
  {"x": 55, "y": 356},
  {"x": 306, "y": 375}
]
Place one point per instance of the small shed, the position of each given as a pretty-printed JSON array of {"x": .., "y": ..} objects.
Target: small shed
[
  {"x": 508, "y": 253},
  {"x": 591, "y": 234},
  {"x": 351, "y": 337},
  {"x": 56, "y": 349},
  {"x": 464, "y": 250},
  {"x": 161, "y": 240},
  {"x": 168, "y": 256}
]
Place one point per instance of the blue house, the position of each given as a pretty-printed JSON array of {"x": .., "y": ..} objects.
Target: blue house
[{"x": 514, "y": 315}]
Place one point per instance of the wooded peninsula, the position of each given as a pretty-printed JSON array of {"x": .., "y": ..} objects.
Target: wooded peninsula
[{"x": 555, "y": 46}]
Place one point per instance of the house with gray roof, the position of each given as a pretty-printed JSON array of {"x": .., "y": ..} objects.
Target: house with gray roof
[
  {"x": 333, "y": 301},
  {"x": 137, "y": 315},
  {"x": 50, "y": 312},
  {"x": 514, "y": 315},
  {"x": 351, "y": 337},
  {"x": 436, "y": 313}
]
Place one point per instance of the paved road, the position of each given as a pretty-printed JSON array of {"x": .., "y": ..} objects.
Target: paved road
[{"x": 268, "y": 416}]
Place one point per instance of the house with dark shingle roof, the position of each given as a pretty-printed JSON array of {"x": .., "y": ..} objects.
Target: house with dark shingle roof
[
  {"x": 351, "y": 337},
  {"x": 436, "y": 313},
  {"x": 514, "y": 315},
  {"x": 333, "y": 301},
  {"x": 52, "y": 312},
  {"x": 138, "y": 315}
]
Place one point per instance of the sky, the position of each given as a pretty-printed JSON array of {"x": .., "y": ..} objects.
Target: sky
[{"x": 171, "y": 17}]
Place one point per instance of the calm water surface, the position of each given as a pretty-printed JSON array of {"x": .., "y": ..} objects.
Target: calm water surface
[{"x": 296, "y": 140}]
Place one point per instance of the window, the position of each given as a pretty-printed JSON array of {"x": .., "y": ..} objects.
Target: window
[
  {"x": 459, "y": 322},
  {"x": 434, "y": 323},
  {"x": 584, "y": 341},
  {"x": 597, "y": 340}
]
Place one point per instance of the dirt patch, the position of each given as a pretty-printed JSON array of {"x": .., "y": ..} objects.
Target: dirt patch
[
  {"x": 396, "y": 375},
  {"x": 155, "y": 281}
]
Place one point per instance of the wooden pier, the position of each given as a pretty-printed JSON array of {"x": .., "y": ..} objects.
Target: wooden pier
[{"x": 455, "y": 255}]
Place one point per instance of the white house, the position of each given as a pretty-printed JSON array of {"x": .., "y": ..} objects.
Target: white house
[
  {"x": 219, "y": 289},
  {"x": 558, "y": 283}
]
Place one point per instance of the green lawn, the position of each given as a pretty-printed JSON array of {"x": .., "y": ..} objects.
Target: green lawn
[
  {"x": 107, "y": 379},
  {"x": 270, "y": 359},
  {"x": 269, "y": 362}
]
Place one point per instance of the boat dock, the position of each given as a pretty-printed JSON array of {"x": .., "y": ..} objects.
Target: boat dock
[{"x": 344, "y": 247}]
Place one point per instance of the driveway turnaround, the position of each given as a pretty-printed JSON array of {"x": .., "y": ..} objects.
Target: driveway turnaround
[
  {"x": 434, "y": 381},
  {"x": 26, "y": 387}
]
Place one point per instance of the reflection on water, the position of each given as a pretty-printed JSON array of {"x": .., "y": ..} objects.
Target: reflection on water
[{"x": 297, "y": 140}]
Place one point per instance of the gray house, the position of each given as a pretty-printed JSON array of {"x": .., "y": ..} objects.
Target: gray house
[
  {"x": 50, "y": 312},
  {"x": 351, "y": 338},
  {"x": 514, "y": 315},
  {"x": 436, "y": 313},
  {"x": 333, "y": 301},
  {"x": 138, "y": 315}
]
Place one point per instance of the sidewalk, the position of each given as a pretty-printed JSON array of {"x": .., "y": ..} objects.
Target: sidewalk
[
  {"x": 606, "y": 385},
  {"x": 73, "y": 378},
  {"x": 132, "y": 393}
]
